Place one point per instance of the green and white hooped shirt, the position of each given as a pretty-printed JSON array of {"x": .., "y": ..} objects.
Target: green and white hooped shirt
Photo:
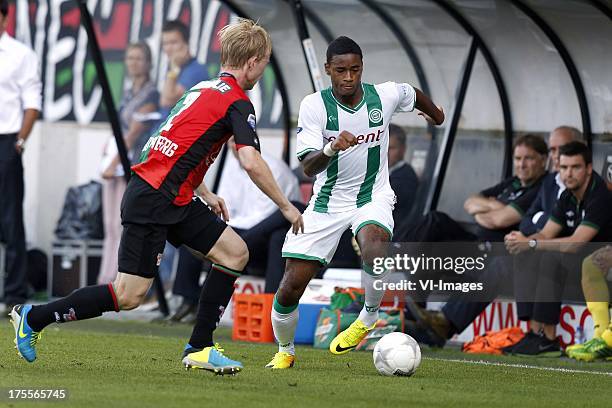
[{"x": 356, "y": 174}]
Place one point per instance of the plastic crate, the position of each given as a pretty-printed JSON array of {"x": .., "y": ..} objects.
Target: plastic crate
[{"x": 252, "y": 317}]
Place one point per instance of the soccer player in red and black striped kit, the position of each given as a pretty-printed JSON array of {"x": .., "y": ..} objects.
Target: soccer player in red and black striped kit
[{"x": 159, "y": 204}]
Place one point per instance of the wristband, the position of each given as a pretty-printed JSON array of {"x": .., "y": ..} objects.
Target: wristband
[{"x": 328, "y": 151}]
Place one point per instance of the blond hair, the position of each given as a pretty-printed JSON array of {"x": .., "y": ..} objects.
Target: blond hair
[{"x": 242, "y": 41}]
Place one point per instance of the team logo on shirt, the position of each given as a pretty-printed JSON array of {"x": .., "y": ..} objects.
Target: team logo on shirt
[
  {"x": 299, "y": 129},
  {"x": 251, "y": 121},
  {"x": 514, "y": 195},
  {"x": 570, "y": 221},
  {"x": 70, "y": 316},
  {"x": 375, "y": 115}
]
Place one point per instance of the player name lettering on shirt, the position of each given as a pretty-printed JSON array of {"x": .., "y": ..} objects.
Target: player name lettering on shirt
[
  {"x": 162, "y": 144},
  {"x": 369, "y": 138},
  {"x": 222, "y": 87}
]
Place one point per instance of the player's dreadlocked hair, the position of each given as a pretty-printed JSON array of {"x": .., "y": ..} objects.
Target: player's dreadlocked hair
[{"x": 343, "y": 45}]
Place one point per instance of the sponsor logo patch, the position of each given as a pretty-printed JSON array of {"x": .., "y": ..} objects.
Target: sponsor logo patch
[
  {"x": 251, "y": 121},
  {"x": 70, "y": 316}
]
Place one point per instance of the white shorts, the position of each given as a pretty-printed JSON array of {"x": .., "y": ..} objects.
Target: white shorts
[{"x": 322, "y": 231}]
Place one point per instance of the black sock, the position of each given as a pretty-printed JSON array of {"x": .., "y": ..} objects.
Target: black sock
[
  {"x": 84, "y": 303},
  {"x": 216, "y": 293}
]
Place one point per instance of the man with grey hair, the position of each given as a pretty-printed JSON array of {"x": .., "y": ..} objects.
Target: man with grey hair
[{"x": 435, "y": 327}]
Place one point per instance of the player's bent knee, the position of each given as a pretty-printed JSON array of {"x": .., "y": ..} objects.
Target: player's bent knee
[
  {"x": 129, "y": 301},
  {"x": 590, "y": 272},
  {"x": 130, "y": 290},
  {"x": 230, "y": 251},
  {"x": 290, "y": 291},
  {"x": 242, "y": 256},
  {"x": 235, "y": 257},
  {"x": 369, "y": 254},
  {"x": 288, "y": 296}
]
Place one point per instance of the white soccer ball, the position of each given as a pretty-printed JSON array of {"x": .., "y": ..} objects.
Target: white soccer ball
[{"x": 397, "y": 354}]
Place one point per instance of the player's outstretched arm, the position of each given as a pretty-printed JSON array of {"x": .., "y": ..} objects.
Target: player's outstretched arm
[
  {"x": 316, "y": 162},
  {"x": 432, "y": 113},
  {"x": 258, "y": 170}
]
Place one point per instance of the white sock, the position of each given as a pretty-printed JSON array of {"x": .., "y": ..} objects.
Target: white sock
[
  {"x": 284, "y": 325},
  {"x": 373, "y": 297}
]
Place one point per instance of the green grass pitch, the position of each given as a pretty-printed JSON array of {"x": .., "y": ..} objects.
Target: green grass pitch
[{"x": 106, "y": 363}]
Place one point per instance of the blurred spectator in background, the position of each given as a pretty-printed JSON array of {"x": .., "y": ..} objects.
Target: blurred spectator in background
[
  {"x": 184, "y": 71},
  {"x": 138, "y": 100},
  {"x": 402, "y": 177},
  {"x": 20, "y": 104},
  {"x": 255, "y": 218}
]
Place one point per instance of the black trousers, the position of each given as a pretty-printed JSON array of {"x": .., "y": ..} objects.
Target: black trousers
[
  {"x": 435, "y": 226},
  {"x": 264, "y": 241},
  {"x": 462, "y": 309},
  {"x": 539, "y": 280},
  {"x": 12, "y": 232},
  {"x": 187, "y": 279}
]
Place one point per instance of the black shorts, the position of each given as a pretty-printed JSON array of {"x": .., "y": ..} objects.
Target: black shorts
[{"x": 149, "y": 219}]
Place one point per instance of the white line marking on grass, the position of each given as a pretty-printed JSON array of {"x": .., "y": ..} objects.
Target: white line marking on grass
[{"x": 490, "y": 363}]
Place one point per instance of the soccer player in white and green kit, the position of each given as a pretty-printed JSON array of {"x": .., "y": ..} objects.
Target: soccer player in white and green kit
[{"x": 343, "y": 138}]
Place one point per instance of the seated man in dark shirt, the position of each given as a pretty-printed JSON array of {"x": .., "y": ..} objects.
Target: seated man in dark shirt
[
  {"x": 581, "y": 215},
  {"x": 552, "y": 186},
  {"x": 435, "y": 327},
  {"x": 497, "y": 210},
  {"x": 402, "y": 176}
]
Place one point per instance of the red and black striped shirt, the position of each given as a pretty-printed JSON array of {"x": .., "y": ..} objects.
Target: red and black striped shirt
[{"x": 176, "y": 158}]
